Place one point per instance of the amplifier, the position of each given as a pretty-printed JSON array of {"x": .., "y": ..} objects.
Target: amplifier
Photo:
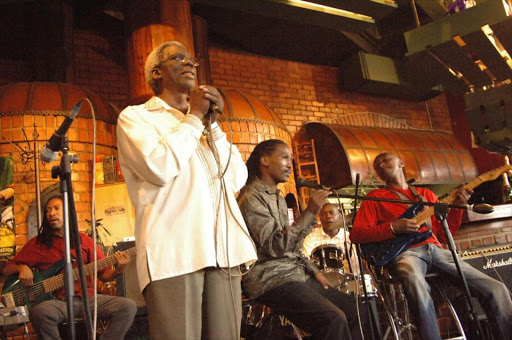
[
  {"x": 127, "y": 284},
  {"x": 495, "y": 261}
]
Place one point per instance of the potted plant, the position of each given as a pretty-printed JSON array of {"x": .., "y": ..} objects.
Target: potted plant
[{"x": 101, "y": 233}]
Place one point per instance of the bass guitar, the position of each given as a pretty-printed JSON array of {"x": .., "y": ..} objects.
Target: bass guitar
[
  {"x": 14, "y": 293},
  {"x": 382, "y": 253}
]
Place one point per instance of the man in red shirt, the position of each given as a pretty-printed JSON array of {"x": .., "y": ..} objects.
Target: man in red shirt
[
  {"x": 44, "y": 251},
  {"x": 378, "y": 221}
]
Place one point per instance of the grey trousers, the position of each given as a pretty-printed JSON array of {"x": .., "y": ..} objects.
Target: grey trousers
[
  {"x": 120, "y": 311},
  {"x": 205, "y": 304}
]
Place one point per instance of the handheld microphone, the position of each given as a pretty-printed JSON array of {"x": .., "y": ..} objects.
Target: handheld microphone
[
  {"x": 301, "y": 182},
  {"x": 49, "y": 153},
  {"x": 214, "y": 108}
]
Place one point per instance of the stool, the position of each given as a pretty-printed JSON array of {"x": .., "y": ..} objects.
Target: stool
[
  {"x": 432, "y": 279},
  {"x": 399, "y": 319},
  {"x": 398, "y": 325}
]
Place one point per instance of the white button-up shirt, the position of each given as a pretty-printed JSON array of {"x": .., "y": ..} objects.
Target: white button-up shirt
[{"x": 186, "y": 217}]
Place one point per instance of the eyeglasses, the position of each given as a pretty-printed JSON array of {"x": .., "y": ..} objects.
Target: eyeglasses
[{"x": 182, "y": 58}]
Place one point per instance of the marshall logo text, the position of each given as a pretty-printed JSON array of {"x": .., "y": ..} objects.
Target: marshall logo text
[{"x": 497, "y": 263}]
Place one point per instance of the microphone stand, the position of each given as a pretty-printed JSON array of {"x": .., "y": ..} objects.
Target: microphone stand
[
  {"x": 440, "y": 211},
  {"x": 71, "y": 232}
]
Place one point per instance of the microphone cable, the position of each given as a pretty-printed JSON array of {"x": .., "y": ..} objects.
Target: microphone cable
[
  {"x": 354, "y": 275},
  {"x": 93, "y": 223},
  {"x": 223, "y": 197}
]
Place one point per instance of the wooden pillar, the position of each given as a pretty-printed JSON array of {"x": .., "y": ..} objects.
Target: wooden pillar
[{"x": 149, "y": 23}]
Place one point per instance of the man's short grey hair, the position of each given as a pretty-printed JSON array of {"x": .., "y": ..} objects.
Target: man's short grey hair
[{"x": 153, "y": 61}]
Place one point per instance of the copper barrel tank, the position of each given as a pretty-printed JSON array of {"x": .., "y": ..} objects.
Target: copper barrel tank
[
  {"x": 430, "y": 157},
  {"x": 252, "y": 122}
]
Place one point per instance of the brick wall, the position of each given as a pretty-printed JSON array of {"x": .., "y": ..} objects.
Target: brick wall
[
  {"x": 101, "y": 67},
  {"x": 80, "y": 136},
  {"x": 14, "y": 70},
  {"x": 485, "y": 230},
  {"x": 299, "y": 93}
]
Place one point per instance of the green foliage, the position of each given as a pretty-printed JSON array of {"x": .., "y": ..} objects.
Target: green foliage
[{"x": 101, "y": 233}]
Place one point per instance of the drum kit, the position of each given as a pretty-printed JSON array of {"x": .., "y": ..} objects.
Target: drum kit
[{"x": 329, "y": 258}]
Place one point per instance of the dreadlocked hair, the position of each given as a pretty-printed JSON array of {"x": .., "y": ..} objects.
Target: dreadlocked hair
[
  {"x": 262, "y": 149},
  {"x": 45, "y": 236}
]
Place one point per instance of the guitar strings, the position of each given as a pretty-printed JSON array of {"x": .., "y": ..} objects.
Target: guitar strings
[{"x": 22, "y": 295}]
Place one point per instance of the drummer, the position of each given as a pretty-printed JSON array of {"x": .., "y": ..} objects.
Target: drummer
[{"x": 331, "y": 233}]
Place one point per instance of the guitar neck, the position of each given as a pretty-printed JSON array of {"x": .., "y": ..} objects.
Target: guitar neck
[
  {"x": 57, "y": 282},
  {"x": 488, "y": 176}
]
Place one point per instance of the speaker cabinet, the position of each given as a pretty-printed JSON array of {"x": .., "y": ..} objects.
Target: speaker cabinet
[
  {"x": 495, "y": 261},
  {"x": 127, "y": 284}
]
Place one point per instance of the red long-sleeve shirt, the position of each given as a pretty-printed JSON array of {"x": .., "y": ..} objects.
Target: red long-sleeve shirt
[
  {"x": 372, "y": 223},
  {"x": 38, "y": 256}
]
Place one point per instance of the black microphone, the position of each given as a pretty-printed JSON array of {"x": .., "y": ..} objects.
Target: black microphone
[
  {"x": 49, "y": 153},
  {"x": 301, "y": 182},
  {"x": 214, "y": 108},
  {"x": 481, "y": 208}
]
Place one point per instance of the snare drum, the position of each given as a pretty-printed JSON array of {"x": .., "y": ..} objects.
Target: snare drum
[
  {"x": 355, "y": 286},
  {"x": 328, "y": 256}
]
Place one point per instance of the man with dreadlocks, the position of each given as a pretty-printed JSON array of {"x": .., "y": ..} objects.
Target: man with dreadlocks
[
  {"x": 44, "y": 251},
  {"x": 282, "y": 278}
]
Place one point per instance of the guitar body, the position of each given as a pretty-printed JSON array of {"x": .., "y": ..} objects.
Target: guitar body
[
  {"x": 14, "y": 293},
  {"x": 381, "y": 253},
  {"x": 28, "y": 295}
]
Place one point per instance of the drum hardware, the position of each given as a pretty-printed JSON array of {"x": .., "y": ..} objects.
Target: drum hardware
[
  {"x": 323, "y": 257},
  {"x": 354, "y": 286},
  {"x": 255, "y": 315}
]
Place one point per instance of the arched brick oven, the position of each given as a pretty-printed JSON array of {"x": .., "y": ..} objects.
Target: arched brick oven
[{"x": 45, "y": 105}]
